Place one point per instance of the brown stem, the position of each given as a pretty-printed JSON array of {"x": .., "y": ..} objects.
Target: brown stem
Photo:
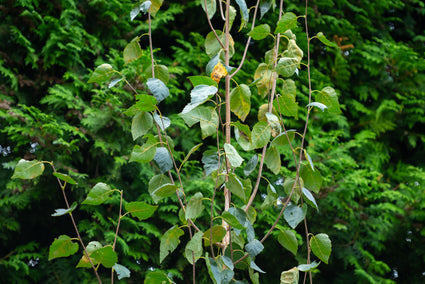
[
  {"x": 211, "y": 26},
  {"x": 75, "y": 225},
  {"x": 116, "y": 234}
]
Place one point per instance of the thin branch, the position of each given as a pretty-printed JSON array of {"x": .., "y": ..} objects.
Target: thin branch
[
  {"x": 116, "y": 233},
  {"x": 211, "y": 26}
]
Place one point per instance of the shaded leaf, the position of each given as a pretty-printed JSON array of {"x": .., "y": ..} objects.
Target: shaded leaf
[
  {"x": 65, "y": 178},
  {"x": 251, "y": 165},
  {"x": 146, "y": 102},
  {"x": 102, "y": 74},
  {"x": 317, "y": 104},
  {"x": 210, "y": 8},
  {"x": 213, "y": 47},
  {"x": 308, "y": 267},
  {"x": 244, "y": 12},
  {"x": 255, "y": 267},
  {"x": 260, "y": 32},
  {"x": 169, "y": 242},
  {"x": 232, "y": 154},
  {"x": 194, "y": 148},
  {"x": 286, "y": 105},
  {"x": 234, "y": 184},
  {"x": 202, "y": 80},
  {"x": 142, "y": 122},
  {"x": 105, "y": 256},
  {"x": 288, "y": 240},
  {"x": 290, "y": 276},
  {"x": 62, "y": 247},
  {"x": 194, "y": 246},
  {"x": 194, "y": 207},
  {"x": 199, "y": 95},
  {"x": 272, "y": 159},
  {"x": 321, "y": 246},
  {"x": 310, "y": 198},
  {"x": 282, "y": 139},
  {"x": 158, "y": 89},
  {"x": 132, "y": 51},
  {"x": 286, "y": 66},
  {"x": 287, "y": 22},
  {"x": 232, "y": 220},
  {"x": 325, "y": 41},
  {"x": 254, "y": 247},
  {"x": 260, "y": 134},
  {"x": 163, "y": 159},
  {"x": 146, "y": 152},
  {"x": 312, "y": 179},
  {"x": 218, "y": 233},
  {"x": 162, "y": 121},
  {"x": 329, "y": 97},
  {"x": 156, "y": 277}
]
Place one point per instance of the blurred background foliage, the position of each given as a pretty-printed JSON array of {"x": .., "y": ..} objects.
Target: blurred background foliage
[{"x": 371, "y": 156}]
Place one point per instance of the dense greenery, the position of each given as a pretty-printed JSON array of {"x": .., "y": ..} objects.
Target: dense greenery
[{"x": 370, "y": 155}]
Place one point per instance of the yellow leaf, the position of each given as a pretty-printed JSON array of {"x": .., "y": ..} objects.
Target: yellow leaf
[{"x": 218, "y": 72}]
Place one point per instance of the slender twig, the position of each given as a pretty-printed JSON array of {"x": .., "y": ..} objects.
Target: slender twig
[
  {"x": 211, "y": 26},
  {"x": 116, "y": 233},
  {"x": 62, "y": 186},
  {"x": 150, "y": 41}
]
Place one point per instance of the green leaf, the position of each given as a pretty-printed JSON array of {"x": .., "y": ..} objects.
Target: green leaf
[
  {"x": 251, "y": 165},
  {"x": 218, "y": 233},
  {"x": 144, "y": 7},
  {"x": 286, "y": 105},
  {"x": 141, "y": 124},
  {"x": 156, "y": 277},
  {"x": 290, "y": 276},
  {"x": 272, "y": 159},
  {"x": 162, "y": 121},
  {"x": 234, "y": 184},
  {"x": 154, "y": 8},
  {"x": 243, "y": 135},
  {"x": 260, "y": 134},
  {"x": 312, "y": 179},
  {"x": 160, "y": 186},
  {"x": 286, "y": 66},
  {"x": 325, "y": 41},
  {"x": 287, "y": 22},
  {"x": 255, "y": 267},
  {"x": 194, "y": 246},
  {"x": 211, "y": 7},
  {"x": 102, "y": 74},
  {"x": 232, "y": 154},
  {"x": 158, "y": 89},
  {"x": 265, "y": 7},
  {"x": 274, "y": 123},
  {"x": 105, "y": 256},
  {"x": 282, "y": 139},
  {"x": 61, "y": 212},
  {"x": 240, "y": 101},
  {"x": 260, "y": 32},
  {"x": 62, "y": 247},
  {"x": 271, "y": 197},
  {"x": 289, "y": 88},
  {"x": 232, "y": 220},
  {"x": 132, "y": 51},
  {"x": 213, "y": 47},
  {"x": 308, "y": 267},
  {"x": 28, "y": 169},
  {"x": 98, "y": 194},
  {"x": 169, "y": 242},
  {"x": 262, "y": 77},
  {"x": 202, "y": 80},
  {"x": 254, "y": 247},
  {"x": 244, "y": 12},
  {"x": 195, "y": 206},
  {"x": 310, "y": 200},
  {"x": 140, "y": 210},
  {"x": 146, "y": 152},
  {"x": 294, "y": 214},
  {"x": 317, "y": 104},
  {"x": 210, "y": 161},
  {"x": 288, "y": 240},
  {"x": 321, "y": 246},
  {"x": 90, "y": 248},
  {"x": 207, "y": 116},
  {"x": 199, "y": 95},
  {"x": 146, "y": 102},
  {"x": 161, "y": 72},
  {"x": 122, "y": 271},
  {"x": 288, "y": 185},
  {"x": 329, "y": 97},
  {"x": 294, "y": 51},
  {"x": 65, "y": 178}
]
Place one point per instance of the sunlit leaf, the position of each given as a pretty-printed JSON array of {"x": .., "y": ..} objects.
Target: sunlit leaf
[
  {"x": 329, "y": 97},
  {"x": 140, "y": 210},
  {"x": 62, "y": 246},
  {"x": 260, "y": 32},
  {"x": 321, "y": 106},
  {"x": 310, "y": 198},
  {"x": 240, "y": 101},
  {"x": 202, "y": 80},
  {"x": 255, "y": 267},
  {"x": 162, "y": 121},
  {"x": 146, "y": 152},
  {"x": 286, "y": 105},
  {"x": 210, "y": 8},
  {"x": 308, "y": 267},
  {"x": 325, "y": 41},
  {"x": 287, "y": 22},
  {"x": 283, "y": 138},
  {"x": 61, "y": 212},
  {"x": 286, "y": 66},
  {"x": 232, "y": 154},
  {"x": 114, "y": 82},
  {"x": 157, "y": 277},
  {"x": 105, "y": 256},
  {"x": 272, "y": 159},
  {"x": 199, "y": 95},
  {"x": 65, "y": 178},
  {"x": 288, "y": 185},
  {"x": 122, "y": 271},
  {"x": 98, "y": 194},
  {"x": 260, "y": 134},
  {"x": 103, "y": 73},
  {"x": 218, "y": 72},
  {"x": 28, "y": 169},
  {"x": 146, "y": 102},
  {"x": 244, "y": 12},
  {"x": 263, "y": 77},
  {"x": 251, "y": 165},
  {"x": 290, "y": 276}
]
